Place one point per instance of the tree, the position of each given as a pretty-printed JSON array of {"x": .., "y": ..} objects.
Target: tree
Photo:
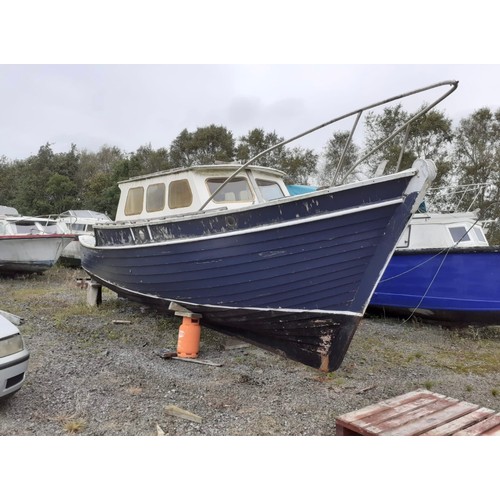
[
  {"x": 204, "y": 146},
  {"x": 149, "y": 160},
  {"x": 428, "y": 137},
  {"x": 297, "y": 163},
  {"x": 61, "y": 193},
  {"x": 476, "y": 160},
  {"x": 8, "y": 176},
  {"x": 329, "y": 173},
  {"x": 97, "y": 180},
  {"x": 257, "y": 141},
  {"x": 30, "y": 189}
]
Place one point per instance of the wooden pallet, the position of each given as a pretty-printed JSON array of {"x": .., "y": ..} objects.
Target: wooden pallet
[{"x": 420, "y": 413}]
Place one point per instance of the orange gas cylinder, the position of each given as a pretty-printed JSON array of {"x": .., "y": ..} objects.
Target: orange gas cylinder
[{"x": 188, "y": 343}]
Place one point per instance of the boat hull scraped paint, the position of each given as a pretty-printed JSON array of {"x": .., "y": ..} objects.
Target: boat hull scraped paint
[{"x": 293, "y": 275}]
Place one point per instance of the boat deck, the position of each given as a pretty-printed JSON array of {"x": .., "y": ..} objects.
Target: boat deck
[{"x": 420, "y": 413}]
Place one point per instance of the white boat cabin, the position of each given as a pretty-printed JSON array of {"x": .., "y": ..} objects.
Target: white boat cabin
[
  {"x": 82, "y": 221},
  {"x": 18, "y": 224},
  {"x": 442, "y": 230},
  {"x": 186, "y": 190}
]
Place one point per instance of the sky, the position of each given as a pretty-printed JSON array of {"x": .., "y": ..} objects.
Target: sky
[
  {"x": 118, "y": 74},
  {"x": 131, "y": 105}
]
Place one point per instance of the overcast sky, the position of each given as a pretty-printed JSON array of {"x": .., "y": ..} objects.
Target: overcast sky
[
  {"x": 127, "y": 74},
  {"x": 132, "y": 105}
]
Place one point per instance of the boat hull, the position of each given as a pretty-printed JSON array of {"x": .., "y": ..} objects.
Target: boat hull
[
  {"x": 30, "y": 253},
  {"x": 458, "y": 286},
  {"x": 293, "y": 276},
  {"x": 71, "y": 255}
]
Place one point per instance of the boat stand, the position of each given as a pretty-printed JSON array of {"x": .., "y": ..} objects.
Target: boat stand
[
  {"x": 94, "y": 294},
  {"x": 188, "y": 343}
]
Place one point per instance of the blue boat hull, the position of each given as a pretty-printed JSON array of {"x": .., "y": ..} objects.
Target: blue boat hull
[
  {"x": 293, "y": 276},
  {"x": 458, "y": 286}
]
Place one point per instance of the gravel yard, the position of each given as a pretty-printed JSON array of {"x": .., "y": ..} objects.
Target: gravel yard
[{"x": 97, "y": 371}]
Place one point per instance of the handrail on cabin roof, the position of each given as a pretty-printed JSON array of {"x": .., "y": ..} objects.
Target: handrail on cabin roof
[{"x": 452, "y": 83}]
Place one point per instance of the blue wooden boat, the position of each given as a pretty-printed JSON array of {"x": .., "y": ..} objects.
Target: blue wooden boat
[
  {"x": 291, "y": 274},
  {"x": 443, "y": 270}
]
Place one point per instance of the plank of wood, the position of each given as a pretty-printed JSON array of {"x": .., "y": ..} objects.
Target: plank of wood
[
  {"x": 423, "y": 422},
  {"x": 481, "y": 428},
  {"x": 403, "y": 417},
  {"x": 495, "y": 431},
  {"x": 182, "y": 311},
  {"x": 175, "y": 411},
  {"x": 386, "y": 404},
  {"x": 447, "y": 429},
  {"x": 371, "y": 420},
  {"x": 199, "y": 361}
]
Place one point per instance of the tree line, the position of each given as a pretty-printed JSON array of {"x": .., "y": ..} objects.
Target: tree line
[{"x": 50, "y": 183}]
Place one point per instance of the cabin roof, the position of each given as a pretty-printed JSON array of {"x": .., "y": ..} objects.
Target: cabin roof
[{"x": 229, "y": 167}]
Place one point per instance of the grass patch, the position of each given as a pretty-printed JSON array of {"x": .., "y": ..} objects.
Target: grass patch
[
  {"x": 74, "y": 426},
  {"x": 414, "y": 356},
  {"x": 480, "y": 361}
]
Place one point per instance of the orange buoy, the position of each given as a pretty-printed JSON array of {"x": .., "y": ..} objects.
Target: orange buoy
[{"x": 188, "y": 343}]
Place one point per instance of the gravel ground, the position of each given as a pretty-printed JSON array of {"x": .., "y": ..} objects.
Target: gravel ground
[{"x": 89, "y": 375}]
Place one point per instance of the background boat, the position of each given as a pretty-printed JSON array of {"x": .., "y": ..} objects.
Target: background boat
[
  {"x": 78, "y": 222},
  {"x": 443, "y": 270},
  {"x": 30, "y": 244}
]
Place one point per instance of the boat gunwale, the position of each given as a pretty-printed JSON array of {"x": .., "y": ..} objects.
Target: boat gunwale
[{"x": 85, "y": 239}]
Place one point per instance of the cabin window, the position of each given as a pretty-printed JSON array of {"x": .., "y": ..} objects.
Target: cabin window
[
  {"x": 270, "y": 190},
  {"x": 155, "y": 197},
  {"x": 236, "y": 190},
  {"x": 180, "y": 194},
  {"x": 135, "y": 201},
  {"x": 479, "y": 234},
  {"x": 26, "y": 228},
  {"x": 459, "y": 234}
]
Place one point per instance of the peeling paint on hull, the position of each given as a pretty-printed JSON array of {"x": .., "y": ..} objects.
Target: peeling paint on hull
[{"x": 293, "y": 276}]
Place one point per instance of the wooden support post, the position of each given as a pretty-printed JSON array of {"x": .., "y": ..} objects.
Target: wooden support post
[{"x": 94, "y": 294}]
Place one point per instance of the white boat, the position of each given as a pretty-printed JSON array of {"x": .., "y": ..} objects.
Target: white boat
[
  {"x": 30, "y": 244},
  {"x": 78, "y": 222}
]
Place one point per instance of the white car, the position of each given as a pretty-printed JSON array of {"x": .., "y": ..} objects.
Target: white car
[{"x": 13, "y": 358}]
